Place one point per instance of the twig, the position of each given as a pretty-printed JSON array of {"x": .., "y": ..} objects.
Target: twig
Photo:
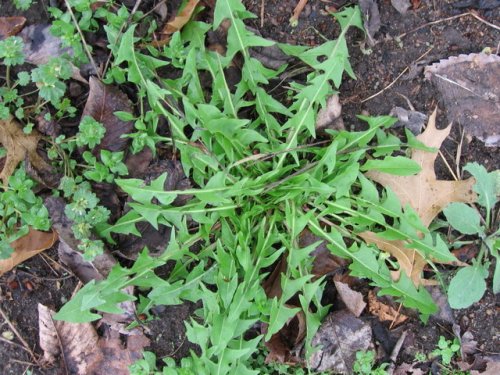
[
  {"x": 476, "y": 16},
  {"x": 471, "y": 13},
  {"x": 397, "y": 78},
  {"x": 18, "y": 335},
  {"x": 448, "y": 165},
  {"x": 294, "y": 20},
  {"x": 395, "y": 352},
  {"x": 85, "y": 45},
  {"x": 432, "y": 23}
]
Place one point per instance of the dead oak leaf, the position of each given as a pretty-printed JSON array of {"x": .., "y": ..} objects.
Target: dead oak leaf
[
  {"x": 410, "y": 261},
  {"x": 29, "y": 245},
  {"x": 19, "y": 146},
  {"x": 424, "y": 192}
]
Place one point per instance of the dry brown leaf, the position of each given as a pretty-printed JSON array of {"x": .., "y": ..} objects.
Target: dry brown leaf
[
  {"x": 424, "y": 192},
  {"x": 81, "y": 350},
  {"x": 352, "y": 299},
  {"x": 410, "y": 261},
  {"x": 19, "y": 146},
  {"x": 10, "y": 26},
  {"x": 281, "y": 344},
  {"x": 26, "y": 247},
  {"x": 101, "y": 104},
  {"x": 384, "y": 312},
  {"x": 178, "y": 22}
]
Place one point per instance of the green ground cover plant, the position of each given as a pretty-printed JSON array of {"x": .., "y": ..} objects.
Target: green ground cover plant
[{"x": 259, "y": 180}]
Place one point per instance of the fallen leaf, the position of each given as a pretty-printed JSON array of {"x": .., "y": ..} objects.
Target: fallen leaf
[
  {"x": 178, "y": 22},
  {"x": 427, "y": 195},
  {"x": 352, "y": 299},
  {"x": 101, "y": 104},
  {"x": 410, "y": 261},
  {"x": 19, "y": 146},
  {"x": 410, "y": 119},
  {"x": 40, "y": 46},
  {"x": 10, "y": 26},
  {"x": 81, "y": 350},
  {"x": 384, "y": 312},
  {"x": 492, "y": 368},
  {"x": 282, "y": 343},
  {"x": 401, "y": 6},
  {"x": 470, "y": 87},
  {"x": 99, "y": 268},
  {"x": 32, "y": 243},
  {"x": 329, "y": 117},
  {"x": 371, "y": 19},
  {"x": 340, "y": 335}
]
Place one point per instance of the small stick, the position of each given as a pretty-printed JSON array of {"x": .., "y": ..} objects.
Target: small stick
[
  {"x": 476, "y": 16},
  {"x": 85, "y": 46},
  {"x": 395, "y": 352},
  {"x": 397, "y": 78},
  {"x": 294, "y": 20},
  {"x": 18, "y": 335}
]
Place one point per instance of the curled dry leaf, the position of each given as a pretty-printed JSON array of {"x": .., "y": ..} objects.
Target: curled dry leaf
[
  {"x": 81, "y": 350},
  {"x": 19, "y": 146},
  {"x": 10, "y": 26},
  {"x": 352, "y": 299},
  {"x": 26, "y": 247},
  {"x": 101, "y": 104},
  {"x": 384, "y": 312}
]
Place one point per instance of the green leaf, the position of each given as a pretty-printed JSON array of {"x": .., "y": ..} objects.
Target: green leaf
[
  {"x": 463, "y": 218},
  {"x": 485, "y": 185},
  {"x": 467, "y": 286},
  {"x": 397, "y": 165},
  {"x": 74, "y": 310}
]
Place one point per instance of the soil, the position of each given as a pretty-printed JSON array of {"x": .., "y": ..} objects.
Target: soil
[{"x": 43, "y": 280}]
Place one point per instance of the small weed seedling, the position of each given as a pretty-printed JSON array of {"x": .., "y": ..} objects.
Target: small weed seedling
[{"x": 365, "y": 362}]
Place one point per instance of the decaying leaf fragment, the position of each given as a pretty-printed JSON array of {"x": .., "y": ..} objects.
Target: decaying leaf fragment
[
  {"x": 424, "y": 192},
  {"x": 10, "y": 26},
  {"x": 101, "y": 104},
  {"x": 82, "y": 351},
  {"x": 19, "y": 146},
  {"x": 28, "y": 246},
  {"x": 384, "y": 312}
]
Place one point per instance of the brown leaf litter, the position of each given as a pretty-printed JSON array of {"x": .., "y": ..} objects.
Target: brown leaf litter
[
  {"x": 101, "y": 104},
  {"x": 82, "y": 351},
  {"x": 424, "y": 193},
  {"x": 19, "y": 146},
  {"x": 28, "y": 246},
  {"x": 10, "y": 26}
]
